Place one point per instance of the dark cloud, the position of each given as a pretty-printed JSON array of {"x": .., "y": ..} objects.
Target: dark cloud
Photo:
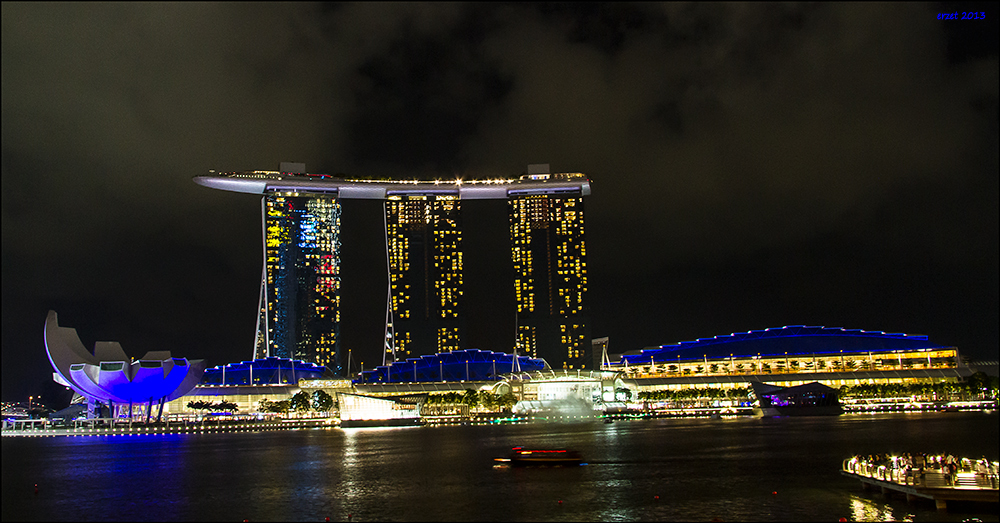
[
  {"x": 421, "y": 99},
  {"x": 753, "y": 164}
]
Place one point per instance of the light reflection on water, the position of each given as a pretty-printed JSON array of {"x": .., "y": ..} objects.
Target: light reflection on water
[
  {"x": 655, "y": 470},
  {"x": 864, "y": 509}
]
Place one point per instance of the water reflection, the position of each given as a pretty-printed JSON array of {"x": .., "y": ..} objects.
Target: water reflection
[
  {"x": 669, "y": 469},
  {"x": 863, "y": 509}
]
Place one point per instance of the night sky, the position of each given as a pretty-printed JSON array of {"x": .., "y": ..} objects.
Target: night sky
[{"x": 752, "y": 165}]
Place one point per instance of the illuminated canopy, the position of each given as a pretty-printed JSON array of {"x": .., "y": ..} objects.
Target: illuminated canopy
[{"x": 108, "y": 375}]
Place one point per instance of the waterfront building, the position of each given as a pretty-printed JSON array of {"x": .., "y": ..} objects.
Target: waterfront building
[
  {"x": 424, "y": 251},
  {"x": 549, "y": 255},
  {"x": 791, "y": 356},
  {"x": 247, "y": 398},
  {"x": 536, "y": 390},
  {"x": 299, "y": 306},
  {"x": 368, "y": 411},
  {"x": 108, "y": 378},
  {"x": 247, "y": 383}
]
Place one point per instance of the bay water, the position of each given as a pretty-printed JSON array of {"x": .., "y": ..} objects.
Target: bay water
[{"x": 735, "y": 469}]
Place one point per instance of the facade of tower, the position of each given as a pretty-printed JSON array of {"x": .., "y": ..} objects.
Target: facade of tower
[
  {"x": 549, "y": 255},
  {"x": 300, "y": 300},
  {"x": 424, "y": 250}
]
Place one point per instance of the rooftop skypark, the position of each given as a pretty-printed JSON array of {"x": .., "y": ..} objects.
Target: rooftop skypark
[{"x": 262, "y": 182}]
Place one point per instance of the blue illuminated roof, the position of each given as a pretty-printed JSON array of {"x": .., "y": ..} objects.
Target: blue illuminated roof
[
  {"x": 790, "y": 339},
  {"x": 469, "y": 364},
  {"x": 264, "y": 371}
]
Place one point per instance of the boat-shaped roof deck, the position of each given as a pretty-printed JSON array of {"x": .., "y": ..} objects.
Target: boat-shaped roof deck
[{"x": 265, "y": 182}]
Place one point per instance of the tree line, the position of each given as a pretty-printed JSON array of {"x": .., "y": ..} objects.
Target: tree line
[
  {"x": 318, "y": 401},
  {"x": 978, "y": 386},
  {"x": 208, "y": 406},
  {"x": 472, "y": 399},
  {"x": 696, "y": 394}
]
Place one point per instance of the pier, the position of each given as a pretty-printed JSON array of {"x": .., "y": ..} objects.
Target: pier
[{"x": 968, "y": 481}]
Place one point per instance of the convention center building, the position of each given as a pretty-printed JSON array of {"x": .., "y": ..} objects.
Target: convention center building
[{"x": 789, "y": 356}]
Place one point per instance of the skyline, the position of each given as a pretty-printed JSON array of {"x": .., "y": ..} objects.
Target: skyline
[{"x": 752, "y": 166}]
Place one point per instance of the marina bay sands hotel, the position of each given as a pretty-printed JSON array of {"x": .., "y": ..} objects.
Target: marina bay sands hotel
[{"x": 299, "y": 308}]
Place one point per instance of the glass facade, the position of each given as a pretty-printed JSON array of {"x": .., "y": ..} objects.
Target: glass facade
[
  {"x": 300, "y": 300},
  {"x": 424, "y": 250},
  {"x": 549, "y": 255}
]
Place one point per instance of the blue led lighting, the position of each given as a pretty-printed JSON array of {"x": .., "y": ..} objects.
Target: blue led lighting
[
  {"x": 795, "y": 340},
  {"x": 273, "y": 371},
  {"x": 469, "y": 364}
]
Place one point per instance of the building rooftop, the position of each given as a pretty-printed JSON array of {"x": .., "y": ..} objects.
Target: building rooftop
[
  {"x": 790, "y": 339},
  {"x": 293, "y": 183}
]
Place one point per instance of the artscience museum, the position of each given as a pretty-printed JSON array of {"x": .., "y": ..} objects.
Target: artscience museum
[{"x": 109, "y": 378}]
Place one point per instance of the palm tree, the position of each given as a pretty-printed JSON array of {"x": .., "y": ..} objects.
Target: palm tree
[
  {"x": 301, "y": 401},
  {"x": 471, "y": 398},
  {"x": 199, "y": 405},
  {"x": 321, "y": 401},
  {"x": 625, "y": 391},
  {"x": 489, "y": 400}
]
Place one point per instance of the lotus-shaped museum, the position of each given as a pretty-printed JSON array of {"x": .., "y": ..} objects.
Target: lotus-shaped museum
[{"x": 109, "y": 376}]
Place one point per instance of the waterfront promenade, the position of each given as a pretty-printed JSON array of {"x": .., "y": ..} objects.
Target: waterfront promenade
[
  {"x": 250, "y": 423},
  {"x": 938, "y": 478},
  {"x": 24, "y": 429},
  {"x": 103, "y": 427}
]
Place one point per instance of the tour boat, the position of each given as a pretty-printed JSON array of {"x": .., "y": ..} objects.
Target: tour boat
[{"x": 522, "y": 456}]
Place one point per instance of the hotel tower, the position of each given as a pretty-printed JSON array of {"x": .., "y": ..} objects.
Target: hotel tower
[
  {"x": 549, "y": 255},
  {"x": 299, "y": 307},
  {"x": 424, "y": 251}
]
